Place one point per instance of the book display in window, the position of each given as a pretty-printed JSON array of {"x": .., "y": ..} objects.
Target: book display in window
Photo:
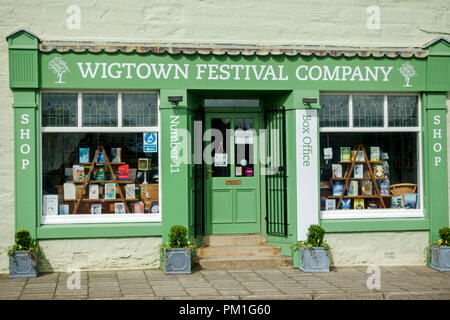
[
  {"x": 372, "y": 204},
  {"x": 358, "y": 204},
  {"x": 353, "y": 188},
  {"x": 94, "y": 181},
  {"x": 83, "y": 155},
  {"x": 110, "y": 190},
  {"x": 358, "y": 167},
  {"x": 397, "y": 202},
  {"x": 338, "y": 188},
  {"x": 366, "y": 188},
  {"x": 123, "y": 172},
  {"x": 119, "y": 208},
  {"x": 99, "y": 173},
  {"x": 345, "y": 153},
  {"x": 96, "y": 209},
  {"x": 93, "y": 191},
  {"x": 346, "y": 204},
  {"x": 410, "y": 200},
  {"x": 330, "y": 204},
  {"x": 69, "y": 191},
  {"x": 116, "y": 155},
  {"x": 78, "y": 173},
  {"x": 337, "y": 170},
  {"x": 358, "y": 173},
  {"x": 50, "y": 205}
]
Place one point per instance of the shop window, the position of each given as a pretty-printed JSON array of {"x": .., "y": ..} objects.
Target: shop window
[
  {"x": 93, "y": 175},
  {"x": 139, "y": 110},
  {"x": 403, "y": 111},
  {"x": 372, "y": 167},
  {"x": 368, "y": 111},
  {"x": 59, "y": 110},
  {"x": 99, "y": 110},
  {"x": 334, "y": 111}
]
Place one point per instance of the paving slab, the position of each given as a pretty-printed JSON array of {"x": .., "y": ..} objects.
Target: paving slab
[
  {"x": 36, "y": 296},
  {"x": 348, "y": 296},
  {"x": 413, "y": 283},
  {"x": 417, "y": 296}
]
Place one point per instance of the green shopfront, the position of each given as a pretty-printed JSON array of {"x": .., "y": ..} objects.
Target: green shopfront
[{"x": 123, "y": 140}]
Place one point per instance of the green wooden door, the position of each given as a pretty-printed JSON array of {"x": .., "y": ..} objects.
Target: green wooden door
[{"x": 232, "y": 173}]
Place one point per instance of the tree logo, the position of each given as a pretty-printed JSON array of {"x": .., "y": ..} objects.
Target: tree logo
[
  {"x": 59, "y": 66},
  {"x": 407, "y": 71}
]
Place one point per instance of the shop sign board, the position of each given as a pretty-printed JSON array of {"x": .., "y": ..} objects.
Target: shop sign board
[
  {"x": 437, "y": 140},
  {"x": 24, "y": 137},
  {"x": 307, "y": 170},
  {"x": 73, "y": 70}
]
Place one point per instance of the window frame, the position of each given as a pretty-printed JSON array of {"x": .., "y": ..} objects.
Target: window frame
[
  {"x": 104, "y": 218},
  {"x": 379, "y": 213}
]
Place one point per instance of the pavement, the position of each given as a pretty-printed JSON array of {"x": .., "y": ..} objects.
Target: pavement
[{"x": 341, "y": 283}]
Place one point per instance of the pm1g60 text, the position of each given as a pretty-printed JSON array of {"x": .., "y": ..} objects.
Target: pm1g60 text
[{"x": 246, "y": 309}]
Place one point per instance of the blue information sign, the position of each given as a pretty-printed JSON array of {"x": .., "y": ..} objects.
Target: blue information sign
[{"x": 150, "y": 142}]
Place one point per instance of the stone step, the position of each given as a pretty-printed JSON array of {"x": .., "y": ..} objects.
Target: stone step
[
  {"x": 246, "y": 262},
  {"x": 234, "y": 240},
  {"x": 228, "y": 251}
]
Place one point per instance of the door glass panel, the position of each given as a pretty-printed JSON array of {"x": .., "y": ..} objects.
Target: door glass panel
[
  {"x": 244, "y": 141},
  {"x": 220, "y": 147}
]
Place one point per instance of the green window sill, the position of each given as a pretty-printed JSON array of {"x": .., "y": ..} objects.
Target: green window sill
[
  {"x": 374, "y": 225},
  {"x": 99, "y": 230}
]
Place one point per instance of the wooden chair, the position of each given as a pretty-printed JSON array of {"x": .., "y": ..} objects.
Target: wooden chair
[{"x": 402, "y": 188}]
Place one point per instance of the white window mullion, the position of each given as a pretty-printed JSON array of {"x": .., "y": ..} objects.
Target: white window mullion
[
  {"x": 385, "y": 111},
  {"x": 80, "y": 110},
  {"x": 119, "y": 110},
  {"x": 350, "y": 111}
]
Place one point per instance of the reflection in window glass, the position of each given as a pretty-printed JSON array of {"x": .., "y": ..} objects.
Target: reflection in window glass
[
  {"x": 68, "y": 161},
  {"x": 334, "y": 111},
  {"x": 59, "y": 110},
  {"x": 139, "y": 110},
  {"x": 99, "y": 110},
  {"x": 402, "y": 111},
  {"x": 368, "y": 111},
  {"x": 220, "y": 152},
  {"x": 244, "y": 135}
]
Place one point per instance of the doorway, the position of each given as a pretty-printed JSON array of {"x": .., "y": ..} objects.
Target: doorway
[{"x": 232, "y": 173}]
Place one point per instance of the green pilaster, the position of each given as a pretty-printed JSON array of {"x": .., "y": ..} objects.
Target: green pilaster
[
  {"x": 297, "y": 103},
  {"x": 23, "y": 76},
  {"x": 174, "y": 161},
  {"x": 438, "y": 65},
  {"x": 435, "y": 152}
]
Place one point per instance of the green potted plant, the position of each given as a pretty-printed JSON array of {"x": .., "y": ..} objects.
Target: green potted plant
[
  {"x": 23, "y": 256},
  {"x": 439, "y": 252},
  {"x": 315, "y": 253},
  {"x": 178, "y": 253}
]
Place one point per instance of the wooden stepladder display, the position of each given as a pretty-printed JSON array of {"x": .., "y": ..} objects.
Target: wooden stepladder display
[
  {"x": 87, "y": 181},
  {"x": 369, "y": 170}
]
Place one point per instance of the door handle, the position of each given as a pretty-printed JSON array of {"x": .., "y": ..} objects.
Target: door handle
[{"x": 208, "y": 172}]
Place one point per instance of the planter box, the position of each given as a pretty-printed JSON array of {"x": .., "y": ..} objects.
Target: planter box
[
  {"x": 21, "y": 265},
  {"x": 177, "y": 261},
  {"x": 314, "y": 260},
  {"x": 440, "y": 258}
]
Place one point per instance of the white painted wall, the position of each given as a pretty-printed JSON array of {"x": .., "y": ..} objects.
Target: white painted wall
[
  {"x": 402, "y": 23},
  {"x": 378, "y": 248},
  {"x": 100, "y": 254}
]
